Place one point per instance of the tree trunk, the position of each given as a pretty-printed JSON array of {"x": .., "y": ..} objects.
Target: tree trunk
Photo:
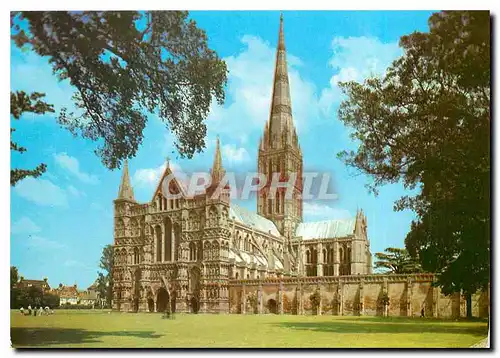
[{"x": 469, "y": 305}]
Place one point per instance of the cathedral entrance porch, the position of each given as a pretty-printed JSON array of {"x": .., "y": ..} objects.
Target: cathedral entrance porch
[
  {"x": 195, "y": 304},
  {"x": 151, "y": 305},
  {"x": 162, "y": 300}
]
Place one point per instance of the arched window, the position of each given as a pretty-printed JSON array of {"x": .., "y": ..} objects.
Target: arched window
[
  {"x": 314, "y": 256},
  {"x": 324, "y": 256},
  {"x": 199, "y": 251},
  {"x": 158, "y": 243},
  {"x": 308, "y": 257},
  {"x": 269, "y": 206},
  {"x": 168, "y": 240},
  {"x": 136, "y": 256}
]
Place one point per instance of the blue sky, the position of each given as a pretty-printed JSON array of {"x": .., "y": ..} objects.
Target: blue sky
[{"x": 61, "y": 221}]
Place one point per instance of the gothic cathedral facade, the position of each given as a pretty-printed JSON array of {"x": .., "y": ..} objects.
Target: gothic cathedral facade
[{"x": 183, "y": 254}]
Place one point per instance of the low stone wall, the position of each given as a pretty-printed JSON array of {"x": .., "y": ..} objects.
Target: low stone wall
[{"x": 352, "y": 295}]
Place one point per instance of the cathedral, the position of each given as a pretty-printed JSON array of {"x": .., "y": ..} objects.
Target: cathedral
[{"x": 184, "y": 254}]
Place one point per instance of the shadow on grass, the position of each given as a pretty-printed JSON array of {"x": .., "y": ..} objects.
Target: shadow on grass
[
  {"x": 412, "y": 320},
  {"x": 33, "y": 337},
  {"x": 391, "y": 326}
]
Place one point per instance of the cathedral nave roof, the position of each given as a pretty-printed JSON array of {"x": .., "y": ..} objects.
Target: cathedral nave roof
[
  {"x": 327, "y": 229},
  {"x": 252, "y": 220}
]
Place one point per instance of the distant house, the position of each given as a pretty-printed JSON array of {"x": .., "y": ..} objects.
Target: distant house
[
  {"x": 67, "y": 294},
  {"x": 43, "y": 284},
  {"x": 92, "y": 289},
  {"x": 88, "y": 298}
]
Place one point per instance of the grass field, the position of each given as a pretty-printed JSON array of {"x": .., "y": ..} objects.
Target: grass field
[{"x": 85, "y": 329}]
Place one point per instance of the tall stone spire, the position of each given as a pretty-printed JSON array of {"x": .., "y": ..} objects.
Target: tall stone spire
[
  {"x": 217, "y": 169},
  {"x": 126, "y": 192},
  {"x": 279, "y": 152},
  {"x": 281, "y": 122}
]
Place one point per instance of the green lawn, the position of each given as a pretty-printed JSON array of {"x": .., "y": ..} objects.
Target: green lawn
[{"x": 84, "y": 329}]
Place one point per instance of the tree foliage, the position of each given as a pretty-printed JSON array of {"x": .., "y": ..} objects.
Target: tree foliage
[
  {"x": 105, "y": 279},
  {"x": 34, "y": 296},
  {"x": 21, "y": 102},
  {"x": 397, "y": 261},
  {"x": 124, "y": 65},
  {"x": 427, "y": 123},
  {"x": 14, "y": 276}
]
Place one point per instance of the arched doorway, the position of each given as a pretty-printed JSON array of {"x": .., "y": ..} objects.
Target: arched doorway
[
  {"x": 194, "y": 288},
  {"x": 162, "y": 299},
  {"x": 272, "y": 305},
  {"x": 151, "y": 305},
  {"x": 195, "y": 305},
  {"x": 136, "y": 304}
]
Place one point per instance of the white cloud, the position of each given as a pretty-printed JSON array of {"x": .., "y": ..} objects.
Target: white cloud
[
  {"x": 77, "y": 264},
  {"x": 72, "y": 165},
  {"x": 25, "y": 226},
  {"x": 233, "y": 154},
  {"x": 75, "y": 192},
  {"x": 149, "y": 177},
  {"x": 250, "y": 88},
  {"x": 31, "y": 72},
  {"x": 41, "y": 192},
  {"x": 38, "y": 242},
  {"x": 355, "y": 59},
  {"x": 316, "y": 211}
]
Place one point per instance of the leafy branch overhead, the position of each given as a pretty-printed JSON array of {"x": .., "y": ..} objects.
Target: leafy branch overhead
[
  {"x": 123, "y": 66},
  {"x": 20, "y": 103},
  {"x": 426, "y": 124}
]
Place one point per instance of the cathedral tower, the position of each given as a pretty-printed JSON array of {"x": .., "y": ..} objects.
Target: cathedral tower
[{"x": 280, "y": 153}]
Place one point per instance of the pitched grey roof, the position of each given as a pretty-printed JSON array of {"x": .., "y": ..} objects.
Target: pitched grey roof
[
  {"x": 328, "y": 229},
  {"x": 252, "y": 220},
  {"x": 249, "y": 258}
]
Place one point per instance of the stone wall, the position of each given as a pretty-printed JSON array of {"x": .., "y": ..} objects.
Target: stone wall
[{"x": 352, "y": 295}]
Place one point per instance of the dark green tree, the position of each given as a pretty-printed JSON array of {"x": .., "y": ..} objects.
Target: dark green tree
[
  {"x": 427, "y": 123},
  {"x": 396, "y": 260},
  {"x": 14, "y": 276},
  {"x": 21, "y": 102},
  {"x": 50, "y": 300},
  {"x": 124, "y": 65},
  {"x": 105, "y": 279}
]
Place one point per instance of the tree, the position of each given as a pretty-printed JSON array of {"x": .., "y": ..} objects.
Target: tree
[
  {"x": 20, "y": 103},
  {"x": 102, "y": 287},
  {"x": 14, "y": 276},
  {"x": 427, "y": 123},
  {"x": 124, "y": 65},
  {"x": 397, "y": 261},
  {"x": 105, "y": 280}
]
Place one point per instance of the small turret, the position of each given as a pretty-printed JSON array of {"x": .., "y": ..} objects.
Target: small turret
[
  {"x": 126, "y": 192},
  {"x": 217, "y": 171}
]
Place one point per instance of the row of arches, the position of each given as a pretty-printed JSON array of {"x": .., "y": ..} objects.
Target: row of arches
[
  {"x": 195, "y": 251},
  {"x": 131, "y": 257},
  {"x": 344, "y": 260},
  {"x": 167, "y": 237},
  {"x": 135, "y": 225},
  {"x": 213, "y": 251},
  {"x": 328, "y": 255},
  {"x": 163, "y": 204}
]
